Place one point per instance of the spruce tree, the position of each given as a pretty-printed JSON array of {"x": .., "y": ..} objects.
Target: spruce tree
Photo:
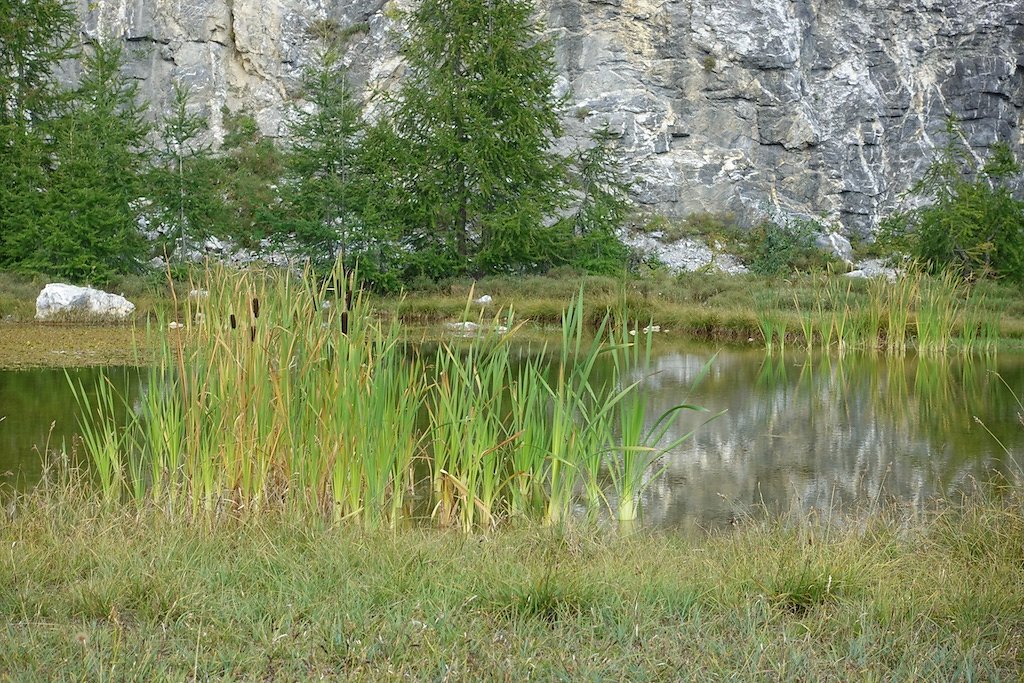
[{"x": 477, "y": 116}]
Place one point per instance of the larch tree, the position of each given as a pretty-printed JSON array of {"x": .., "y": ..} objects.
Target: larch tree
[
  {"x": 477, "y": 115},
  {"x": 35, "y": 37},
  {"x": 182, "y": 184},
  {"x": 325, "y": 192},
  {"x": 93, "y": 199}
]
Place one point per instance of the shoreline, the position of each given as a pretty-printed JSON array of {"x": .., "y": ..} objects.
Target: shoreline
[
  {"x": 48, "y": 345},
  {"x": 730, "y": 310}
]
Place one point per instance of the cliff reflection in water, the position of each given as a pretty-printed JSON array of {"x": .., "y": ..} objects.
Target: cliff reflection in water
[{"x": 811, "y": 432}]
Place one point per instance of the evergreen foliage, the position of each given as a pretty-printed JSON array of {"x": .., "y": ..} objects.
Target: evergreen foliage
[
  {"x": 34, "y": 38},
  {"x": 604, "y": 206},
  {"x": 973, "y": 222},
  {"x": 87, "y": 227},
  {"x": 246, "y": 177},
  {"x": 182, "y": 183},
  {"x": 477, "y": 116},
  {"x": 324, "y": 196},
  {"x": 456, "y": 176},
  {"x": 398, "y": 253}
]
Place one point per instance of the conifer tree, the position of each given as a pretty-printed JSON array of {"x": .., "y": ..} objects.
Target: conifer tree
[
  {"x": 246, "y": 177},
  {"x": 34, "y": 38},
  {"x": 182, "y": 183},
  {"x": 324, "y": 196},
  {"x": 92, "y": 206},
  {"x": 477, "y": 116},
  {"x": 603, "y": 206},
  {"x": 972, "y": 220}
]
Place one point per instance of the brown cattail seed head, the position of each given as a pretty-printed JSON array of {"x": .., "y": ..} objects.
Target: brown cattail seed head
[
  {"x": 234, "y": 323},
  {"x": 255, "y": 308}
]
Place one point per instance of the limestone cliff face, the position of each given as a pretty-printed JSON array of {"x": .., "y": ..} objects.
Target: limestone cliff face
[{"x": 820, "y": 107}]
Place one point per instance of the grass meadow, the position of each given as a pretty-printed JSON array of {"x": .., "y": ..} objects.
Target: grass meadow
[{"x": 95, "y": 593}]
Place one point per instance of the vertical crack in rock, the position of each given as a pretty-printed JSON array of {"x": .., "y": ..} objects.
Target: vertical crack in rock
[{"x": 240, "y": 38}]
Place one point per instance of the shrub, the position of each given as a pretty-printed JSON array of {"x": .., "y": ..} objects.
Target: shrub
[
  {"x": 973, "y": 223},
  {"x": 776, "y": 247}
]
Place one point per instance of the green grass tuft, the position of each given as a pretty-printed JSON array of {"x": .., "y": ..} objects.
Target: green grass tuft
[{"x": 96, "y": 592}]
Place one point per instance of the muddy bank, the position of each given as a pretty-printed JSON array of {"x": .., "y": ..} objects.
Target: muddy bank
[{"x": 31, "y": 345}]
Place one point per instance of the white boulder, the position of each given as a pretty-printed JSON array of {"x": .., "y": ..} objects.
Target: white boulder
[
  {"x": 484, "y": 300},
  {"x": 57, "y": 300},
  {"x": 836, "y": 244},
  {"x": 873, "y": 268}
]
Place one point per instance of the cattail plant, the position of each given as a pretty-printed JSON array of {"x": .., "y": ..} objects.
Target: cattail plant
[{"x": 321, "y": 411}]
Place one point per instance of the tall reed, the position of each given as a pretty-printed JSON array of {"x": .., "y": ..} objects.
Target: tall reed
[
  {"x": 568, "y": 384},
  {"x": 103, "y": 438},
  {"x": 932, "y": 313},
  {"x": 469, "y": 430},
  {"x": 806, "y": 317},
  {"x": 640, "y": 443},
  {"x": 938, "y": 312},
  {"x": 291, "y": 393},
  {"x": 770, "y": 322},
  {"x": 980, "y": 330}
]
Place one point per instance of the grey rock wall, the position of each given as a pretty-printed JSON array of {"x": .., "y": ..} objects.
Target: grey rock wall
[{"x": 820, "y": 107}]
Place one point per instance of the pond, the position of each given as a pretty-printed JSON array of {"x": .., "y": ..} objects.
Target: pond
[{"x": 798, "y": 431}]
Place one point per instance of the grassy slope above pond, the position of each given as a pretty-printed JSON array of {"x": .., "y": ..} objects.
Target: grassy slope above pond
[
  {"x": 94, "y": 594},
  {"x": 700, "y": 305}
]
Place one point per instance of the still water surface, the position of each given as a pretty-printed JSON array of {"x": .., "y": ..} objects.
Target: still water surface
[{"x": 798, "y": 432}]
